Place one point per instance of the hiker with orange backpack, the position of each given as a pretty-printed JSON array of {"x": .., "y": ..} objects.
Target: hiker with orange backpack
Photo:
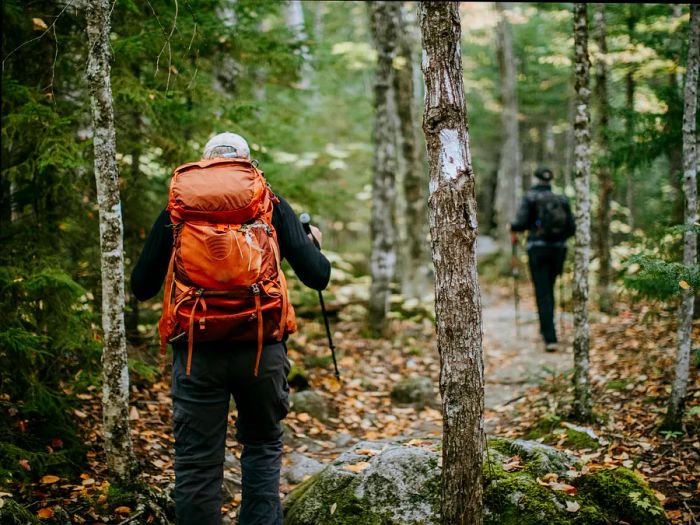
[{"x": 218, "y": 248}]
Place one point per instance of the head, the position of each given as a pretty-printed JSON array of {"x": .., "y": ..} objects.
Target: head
[
  {"x": 226, "y": 145},
  {"x": 544, "y": 176}
]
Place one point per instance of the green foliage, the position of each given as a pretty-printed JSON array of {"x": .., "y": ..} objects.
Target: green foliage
[{"x": 654, "y": 274}]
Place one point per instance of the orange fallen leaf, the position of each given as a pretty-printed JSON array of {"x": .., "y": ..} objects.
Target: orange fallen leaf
[
  {"x": 24, "y": 463},
  {"x": 48, "y": 479},
  {"x": 569, "y": 489},
  {"x": 45, "y": 513},
  {"x": 367, "y": 452},
  {"x": 123, "y": 510},
  {"x": 357, "y": 467}
]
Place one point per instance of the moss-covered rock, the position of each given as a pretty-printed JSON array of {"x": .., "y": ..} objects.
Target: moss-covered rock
[
  {"x": 525, "y": 482},
  {"x": 552, "y": 429}
]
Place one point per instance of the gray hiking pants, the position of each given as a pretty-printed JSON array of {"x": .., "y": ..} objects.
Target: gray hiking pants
[{"x": 200, "y": 412}]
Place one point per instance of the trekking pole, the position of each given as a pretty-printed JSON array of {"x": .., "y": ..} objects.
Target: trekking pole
[
  {"x": 562, "y": 325},
  {"x": 516, "y": 274},
  {"x": 305, "y": 219}
]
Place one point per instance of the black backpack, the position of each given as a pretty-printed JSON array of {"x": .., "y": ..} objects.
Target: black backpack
[{"x": 552, "y": 216}]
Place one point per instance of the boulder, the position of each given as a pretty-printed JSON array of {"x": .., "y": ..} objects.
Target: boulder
[
  {"x": 309, "y": 402},
  {"x": 298, "y": 468},
  {"x": 398, "y": 483},
  {"x": 417, "y": 390}
]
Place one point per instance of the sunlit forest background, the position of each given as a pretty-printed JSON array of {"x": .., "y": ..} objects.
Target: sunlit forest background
[{"x": 302, "y": 95}]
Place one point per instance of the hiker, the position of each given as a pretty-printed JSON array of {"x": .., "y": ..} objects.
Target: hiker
[
  {"x": 548, "y": 219},
  {"x": 219, "y": 354}
]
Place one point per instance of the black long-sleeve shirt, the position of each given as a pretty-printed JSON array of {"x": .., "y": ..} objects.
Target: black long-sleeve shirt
[
  {"x": 307, "y": 261},
  {"x": 526, "y": 217}
]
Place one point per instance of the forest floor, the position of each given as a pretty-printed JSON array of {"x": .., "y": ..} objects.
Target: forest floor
[{"x": 527, "y": 395}]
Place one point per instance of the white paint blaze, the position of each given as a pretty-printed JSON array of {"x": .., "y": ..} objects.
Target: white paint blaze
[{"x": 451, "y": 155}]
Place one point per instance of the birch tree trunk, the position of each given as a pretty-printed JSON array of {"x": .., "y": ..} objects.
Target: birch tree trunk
[
  {"x": 453, "y": 228},
  {"x": 384, "y": 26},
  {"x": 115, "y": 375},
  {"x": 630, "y": 124},
  {"x": 509, "y": 167},
  {"x": 605, "y": 183},
  {"x": 674, "y": 414},
  {"x": 414, "y": 252},
  {"x": 294, "y": 18},
  {"x": 582, "y": 409}
]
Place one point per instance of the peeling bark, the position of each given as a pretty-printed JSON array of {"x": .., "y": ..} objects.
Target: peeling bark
[
  {"x": 605, "y": 182},
  {"x": 453, "y": 229},
  {"x": 115, "y": 375},
  {"x": 415, "y": 271},
  {"x": 384, "y": 26},
  {"x": 676, "y": 404},
  {"x": 509, "y": 179},
  {"x": 582, "y": 408}
]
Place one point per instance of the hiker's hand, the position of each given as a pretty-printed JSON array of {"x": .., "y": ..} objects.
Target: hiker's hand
[{"x": 315, "y": 234}]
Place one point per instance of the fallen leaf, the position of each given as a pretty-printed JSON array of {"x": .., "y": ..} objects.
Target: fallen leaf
[
  {"x": 333, "y": 507},
  {"x": 367, "y": 452},
  {"x": 122, "y": 510},
  {"x": 572, "y": 506},
  {"x": 45, "y": 513},
  {"x": 357, "y": 467},
  {"x": 569, "y": 489},
  {"x": 134, "y": 414},
  {"x": 80, "y": 413},
  {"x": 684, "y": 285},
  {"x": 48, "y": 479},
  {"x": 550, "y": 477},
  {"x": 39, "y": 24},
  {"x": 24, "y": 463}
]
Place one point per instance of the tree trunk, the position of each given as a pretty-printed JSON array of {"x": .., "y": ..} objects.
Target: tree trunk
[
  {"x": 294, "y": 18},
  {"x": 569, "y": 154},
  {"x": 509, "y": 168},
  {"x": 115, "y": 375},
  {"x": 629, "y": 103},
  {"x": 453, "y": 228},
  {"x": 384, "y": 17},
  {"x": 582, "y": 409},
  {"x": 414, "y": 252},
  {"x": 674, "y": 414},
  {"x": 605, "y": 182}
]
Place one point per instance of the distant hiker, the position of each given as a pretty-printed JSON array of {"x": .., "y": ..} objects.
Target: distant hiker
[
  {"x": 548, "y": 218},
  {"x": 218, "y": 247}
]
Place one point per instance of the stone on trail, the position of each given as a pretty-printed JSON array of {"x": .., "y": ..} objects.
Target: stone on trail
[
  {"x": 417, "y": 390},
  {"x": 398, "y": 483},
  {"x": 298, "y": 467},
  {"x": 309, "y": 402}
]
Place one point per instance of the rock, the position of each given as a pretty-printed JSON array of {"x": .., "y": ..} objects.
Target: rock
[
  {"x": 341, "y": 439},
  {"x": 417, "y": 390},
  {"x": 300, "y": 467},
  {"x": 373, "y": 483},
  {"x": 309, "y": 402},
  {"x": 232, "y": 476},
  {"x": 398, "y": 483}
]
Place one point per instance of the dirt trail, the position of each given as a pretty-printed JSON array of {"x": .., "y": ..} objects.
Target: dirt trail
[{"x": 515, "y": 360}]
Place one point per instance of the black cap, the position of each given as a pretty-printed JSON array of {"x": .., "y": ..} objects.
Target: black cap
[{"x": 544, "y": 174}]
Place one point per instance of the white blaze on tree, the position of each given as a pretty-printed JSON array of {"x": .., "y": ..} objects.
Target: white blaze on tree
[
  {"x": 294, "y": 18},
  {"x": 582, "y": 408},
  {"x": 674, "y": 414},
  {"x": 115, "y": 375},
  {"x": 453, "y": 229},
  {"x": 509, "y": 178},
  {"x": 384, "y": 27}
]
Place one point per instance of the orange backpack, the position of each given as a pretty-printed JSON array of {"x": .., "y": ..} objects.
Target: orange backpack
[{"x": 224, "y": 281}]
